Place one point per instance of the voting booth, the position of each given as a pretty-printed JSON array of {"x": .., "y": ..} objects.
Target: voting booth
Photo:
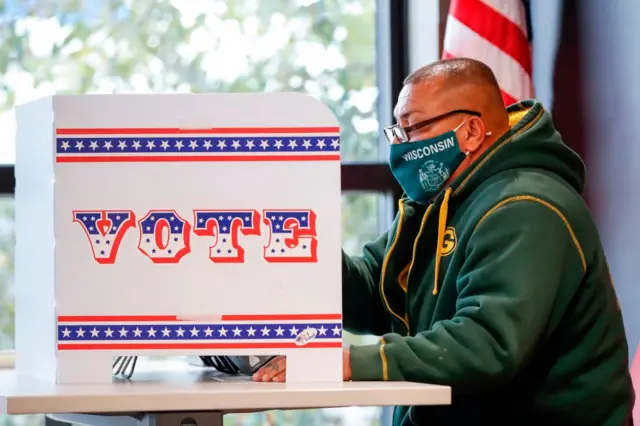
[{"x": 177, "y": 224}]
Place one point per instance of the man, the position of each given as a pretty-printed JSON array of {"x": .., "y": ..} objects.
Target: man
[{"x": 492, "y": 278}]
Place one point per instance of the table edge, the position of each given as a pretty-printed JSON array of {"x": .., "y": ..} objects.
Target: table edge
[{"x": 227, "y": 402}]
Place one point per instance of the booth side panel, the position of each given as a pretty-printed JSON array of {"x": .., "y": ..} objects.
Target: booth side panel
[{"x": 35, "y": 241}]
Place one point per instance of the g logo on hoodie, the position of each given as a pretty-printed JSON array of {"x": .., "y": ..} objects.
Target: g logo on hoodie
[{"x": 450, "y": 241}]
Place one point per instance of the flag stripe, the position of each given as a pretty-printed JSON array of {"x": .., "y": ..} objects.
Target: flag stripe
[
  {"x": 497, "y": 29},
  {"x": 515, "y": 13},
  {"x": 461, "y": 41},
  {"x": 213, "y": 131},
  {"x": 507, "y": 98}
]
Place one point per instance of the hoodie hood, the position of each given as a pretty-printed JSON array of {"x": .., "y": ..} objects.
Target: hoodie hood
[{"x": 531, "y": 142}]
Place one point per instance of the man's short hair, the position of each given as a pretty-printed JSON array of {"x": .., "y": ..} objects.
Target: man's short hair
[
  {"x": 457, "y": 71},
  {"x": 456, "y": 68}
]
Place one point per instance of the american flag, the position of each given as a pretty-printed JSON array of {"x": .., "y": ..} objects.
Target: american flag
[
  {"x": 144, "y": 332},
  {"x": 498, "y": 33}
]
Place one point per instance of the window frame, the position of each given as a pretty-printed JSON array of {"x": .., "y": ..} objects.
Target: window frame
[
  {"x": 7, "y": 179},
  {"x": 392, "y": 43}
]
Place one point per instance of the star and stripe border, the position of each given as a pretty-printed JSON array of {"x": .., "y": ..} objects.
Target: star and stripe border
[
  {"x": 183, "y": 145},
  {"x": 168, "y": 332}
]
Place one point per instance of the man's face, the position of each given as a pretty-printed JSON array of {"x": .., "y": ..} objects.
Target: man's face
[{"x": 419, "y": 102}]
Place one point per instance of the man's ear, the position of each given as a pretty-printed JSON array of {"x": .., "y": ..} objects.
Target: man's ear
[{"x": 473, "y": 135}]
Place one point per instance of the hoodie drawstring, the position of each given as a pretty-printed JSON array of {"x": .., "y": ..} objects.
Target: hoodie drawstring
[{"x": 442, "y": 226}]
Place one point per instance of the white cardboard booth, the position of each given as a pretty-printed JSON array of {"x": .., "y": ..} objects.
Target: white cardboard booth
[{"x": 180, "y": 224}]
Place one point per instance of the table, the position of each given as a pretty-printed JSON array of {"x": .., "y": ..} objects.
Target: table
[{"x": 195, "y": 396}]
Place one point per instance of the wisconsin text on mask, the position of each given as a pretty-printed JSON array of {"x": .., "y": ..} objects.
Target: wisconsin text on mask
[{"x": 428, "y": 150}]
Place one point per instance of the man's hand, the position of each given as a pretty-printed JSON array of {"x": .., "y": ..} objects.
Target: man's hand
[{"x": 274, "y": 370}]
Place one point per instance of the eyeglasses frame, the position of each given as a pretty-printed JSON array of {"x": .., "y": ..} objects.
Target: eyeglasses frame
[{"x": 403, "y": 132}]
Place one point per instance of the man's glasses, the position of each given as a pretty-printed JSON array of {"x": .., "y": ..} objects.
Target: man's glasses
[{"x": 401, "y": 133}]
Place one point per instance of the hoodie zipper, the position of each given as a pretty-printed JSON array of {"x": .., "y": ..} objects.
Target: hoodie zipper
[
  {"x": 413, "y": 258},
  {"x": 385, "y": 263}
]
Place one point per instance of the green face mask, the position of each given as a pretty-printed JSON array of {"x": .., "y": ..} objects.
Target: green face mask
[{"x": 422, "y": 167}]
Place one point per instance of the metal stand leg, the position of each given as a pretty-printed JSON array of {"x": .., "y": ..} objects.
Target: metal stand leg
[{"x": 51, "y": 421}]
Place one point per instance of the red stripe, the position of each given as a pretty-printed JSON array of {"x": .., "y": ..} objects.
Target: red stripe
[
  {"x": 151, "y": 318},
  {"x": 281, "y": 317},
  {"x": 194, "y": 158},
  {"x": 447, "y": 55},
  {"x": 116, "y": 318},
  {"x": 507, "y": 98},
  {"x": 217, "y": 131},
  {"x": 495, "y": 28},
  {"x": 151, "y": 346}
]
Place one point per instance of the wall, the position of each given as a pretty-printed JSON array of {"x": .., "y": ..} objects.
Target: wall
[
  {"x": 609, "y": 33},
  {"x": 546, "y": 22}
]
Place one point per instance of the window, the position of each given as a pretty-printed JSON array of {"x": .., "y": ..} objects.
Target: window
[{"x": 348, "y": 53}]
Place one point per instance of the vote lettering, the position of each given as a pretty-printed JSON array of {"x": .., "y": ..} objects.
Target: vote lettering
[{"x": 165, "y": 236}]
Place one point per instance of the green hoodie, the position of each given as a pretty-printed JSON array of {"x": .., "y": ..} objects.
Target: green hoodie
[{"x": 500, "y": 289}]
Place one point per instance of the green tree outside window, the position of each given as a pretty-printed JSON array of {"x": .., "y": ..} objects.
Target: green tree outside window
[{"x": 326, "y": 48}]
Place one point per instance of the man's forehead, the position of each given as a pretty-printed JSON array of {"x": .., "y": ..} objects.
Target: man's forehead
[{"x": 413, "y": 98}]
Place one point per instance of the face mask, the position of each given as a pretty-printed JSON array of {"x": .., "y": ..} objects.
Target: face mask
[{"x": 422, "y": 167}]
